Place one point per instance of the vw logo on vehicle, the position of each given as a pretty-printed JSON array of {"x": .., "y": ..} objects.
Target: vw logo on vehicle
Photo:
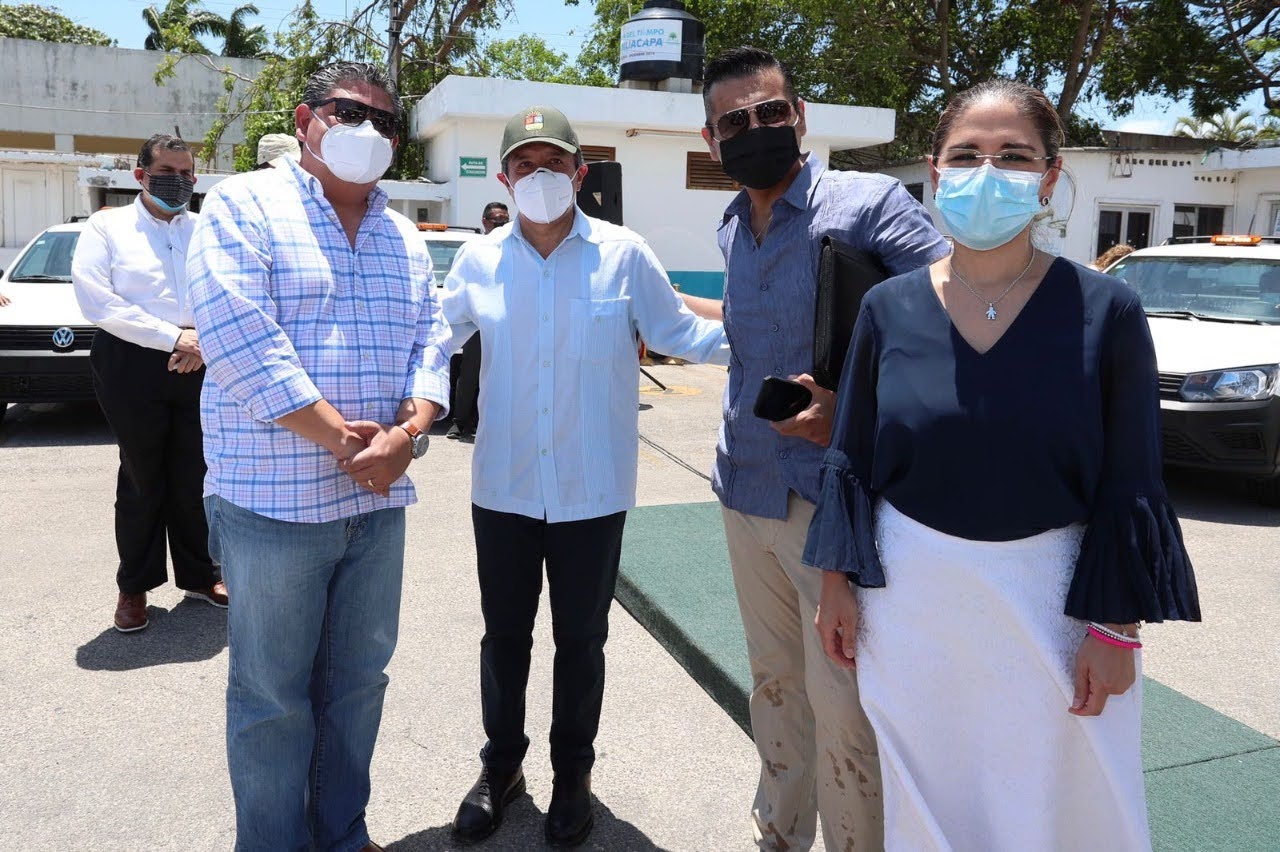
[{"x": 64, "y": 337}]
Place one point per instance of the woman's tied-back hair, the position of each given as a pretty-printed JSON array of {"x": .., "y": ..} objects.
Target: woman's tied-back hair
[{"x": 1030, "y": 102}]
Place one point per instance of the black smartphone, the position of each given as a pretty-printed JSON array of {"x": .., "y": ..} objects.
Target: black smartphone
[{"x": 781, "y": 399}]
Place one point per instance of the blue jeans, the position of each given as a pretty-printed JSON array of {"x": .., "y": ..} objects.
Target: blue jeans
[{"x": 312, "y": 625}]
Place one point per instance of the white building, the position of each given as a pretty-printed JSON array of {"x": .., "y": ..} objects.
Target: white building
[
  {"x": 1146, "y": 190},
  {"x": 674, "y": 195}
]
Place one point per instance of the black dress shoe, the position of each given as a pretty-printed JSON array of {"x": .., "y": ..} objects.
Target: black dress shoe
[
  {"x": 569, "y": 818},
  {"x": 481, "y": 811}
]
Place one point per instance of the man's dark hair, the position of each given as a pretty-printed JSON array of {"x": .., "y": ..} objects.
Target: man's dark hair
[
  {"x": 161, "y": 141},
  {"x": 738, "y": 62},
  {"x": 493, "y": 205},
  {"x": 322, "y": 83}
]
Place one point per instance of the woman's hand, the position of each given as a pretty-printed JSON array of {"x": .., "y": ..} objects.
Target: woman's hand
[
  {"x": 1102, "y": 670},
  {"x": 837, "y": 619}
]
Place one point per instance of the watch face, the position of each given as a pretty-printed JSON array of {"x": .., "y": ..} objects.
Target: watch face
[{"x": 420, "y": 442}]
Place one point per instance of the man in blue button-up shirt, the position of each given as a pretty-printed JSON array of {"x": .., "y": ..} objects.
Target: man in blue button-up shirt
[
  {"x": 557, "y": 298},
  {"x": 816, "y": 748}
]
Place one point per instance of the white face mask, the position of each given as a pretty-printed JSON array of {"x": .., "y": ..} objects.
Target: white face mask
[
  {"x": 354, "y": 154},
  {"x": 543, "y": 196}
]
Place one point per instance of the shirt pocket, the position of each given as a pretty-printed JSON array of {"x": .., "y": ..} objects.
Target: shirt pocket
[{"x": 598, "y": 328}]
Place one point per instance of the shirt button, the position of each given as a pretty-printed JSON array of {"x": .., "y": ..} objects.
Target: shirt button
[
  {"x": 777, "y": 371},
  {"x": 546, "y": 317},
  {"x": 546, "y": 410},
  {"x": 544, "y": 452},
  {"x": 764, "y": 286},
  {"x": 546, "y": 273},
  {"x": 783, "y": 454},
  {"x": 546, "y": 363},
  {"x": 775, "y": 326}
]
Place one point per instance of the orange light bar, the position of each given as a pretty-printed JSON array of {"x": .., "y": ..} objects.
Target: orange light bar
[
  {"x": 432, "y": 226},
  {"x": 1235, "y": 240}
]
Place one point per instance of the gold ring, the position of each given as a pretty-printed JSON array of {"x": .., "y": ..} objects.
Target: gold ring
[{"x": 371, "y": 485}]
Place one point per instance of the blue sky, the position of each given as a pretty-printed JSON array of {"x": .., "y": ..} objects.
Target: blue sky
[{"x": 563, "y": 27}]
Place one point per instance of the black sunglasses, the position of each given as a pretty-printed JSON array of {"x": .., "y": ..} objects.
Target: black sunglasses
[
  {"x": 353, "y": 114},
  {"x": 769, "y": 113}
]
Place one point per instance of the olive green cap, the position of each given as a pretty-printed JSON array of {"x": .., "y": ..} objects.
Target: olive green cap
[{"x": 539, "y": 124}]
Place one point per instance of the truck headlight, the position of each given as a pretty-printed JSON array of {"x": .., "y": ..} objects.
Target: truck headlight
[{"x": 1243, "y": 383}]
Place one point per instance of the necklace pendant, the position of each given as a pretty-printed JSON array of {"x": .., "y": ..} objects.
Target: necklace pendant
[{"x": 991, "y": 311}]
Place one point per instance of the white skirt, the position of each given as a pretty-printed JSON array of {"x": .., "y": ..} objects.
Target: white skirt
[{"x": 966, "y": 668}]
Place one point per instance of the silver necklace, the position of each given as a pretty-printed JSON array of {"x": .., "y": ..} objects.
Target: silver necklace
[
  {"x": 991, "y": 303},
  {"x": 765, "y": 229}
]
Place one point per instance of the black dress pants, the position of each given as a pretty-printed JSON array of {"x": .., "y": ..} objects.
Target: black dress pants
[
  {"x": 582, "y": 569},
  {"x": 155, "y": 415},
  {"x": 465, "y": 373}
]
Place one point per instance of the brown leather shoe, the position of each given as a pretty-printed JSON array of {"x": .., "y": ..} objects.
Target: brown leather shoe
[
  {"x": 215, "y": 594},
  {"x": 131, "y": 612}
]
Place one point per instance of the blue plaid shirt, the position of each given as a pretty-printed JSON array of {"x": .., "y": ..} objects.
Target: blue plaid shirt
[
  {"x": 769, "y": 296},
  {"x": 288, "y": 314}
]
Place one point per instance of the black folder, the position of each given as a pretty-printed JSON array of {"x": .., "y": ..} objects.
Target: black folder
[{"x": 845, "y": 274}]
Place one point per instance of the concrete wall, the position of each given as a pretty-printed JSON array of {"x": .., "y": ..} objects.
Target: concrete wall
[
  {"x": 1157, "y": 181},
  {"x": 78, "y": 98}
]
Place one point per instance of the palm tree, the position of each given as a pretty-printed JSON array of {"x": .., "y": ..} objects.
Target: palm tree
[
  {"x": 1236, "y": 128},
  {"x": 240, "y": 39},
  {"x": 179, "y": 25}
]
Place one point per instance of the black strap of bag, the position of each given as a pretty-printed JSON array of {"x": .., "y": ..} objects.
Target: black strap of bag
[{"x": 845, "y": 274}]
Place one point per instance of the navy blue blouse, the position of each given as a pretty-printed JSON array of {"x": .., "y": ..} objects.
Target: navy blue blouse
[{"x": 1058, "y": 423}]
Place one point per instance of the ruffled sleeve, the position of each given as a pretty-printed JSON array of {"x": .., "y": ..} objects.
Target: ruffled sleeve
[
  {"x": 1133, "y": 565},
  {"x": 841, "y": 534}
]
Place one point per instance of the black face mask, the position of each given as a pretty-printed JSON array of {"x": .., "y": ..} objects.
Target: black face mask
[
  {"x": 760, "y": 158},
  {"x": 171, "y": 191}
]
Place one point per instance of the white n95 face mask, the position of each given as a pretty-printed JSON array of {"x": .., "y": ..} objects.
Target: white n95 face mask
[
  {"x": 354, "y": 154},
  {"x": 543, "y": 196}
]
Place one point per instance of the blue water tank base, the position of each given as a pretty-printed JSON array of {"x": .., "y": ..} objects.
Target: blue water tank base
[{"x": 662, "y": 47}]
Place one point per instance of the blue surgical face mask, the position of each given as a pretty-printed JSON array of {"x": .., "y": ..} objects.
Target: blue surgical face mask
[{"x": 986, "y": 207}]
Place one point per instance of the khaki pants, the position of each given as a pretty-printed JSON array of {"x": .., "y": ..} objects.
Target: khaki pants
[{"x": 817, "y": 751}]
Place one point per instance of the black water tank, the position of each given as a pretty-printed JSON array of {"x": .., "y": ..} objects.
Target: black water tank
[{"x": 662, "y": 41}]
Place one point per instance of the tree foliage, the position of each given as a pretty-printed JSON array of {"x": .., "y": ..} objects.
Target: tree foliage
[
  {"x": 46, "y": 23},
  {"x": 177, "y": 27},
  {"x": 1236, "y": 129}
]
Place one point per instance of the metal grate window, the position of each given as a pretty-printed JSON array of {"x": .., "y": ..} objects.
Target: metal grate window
[
  {"x": 702, "y": 172},
  {"x": 599, "y": 153}
]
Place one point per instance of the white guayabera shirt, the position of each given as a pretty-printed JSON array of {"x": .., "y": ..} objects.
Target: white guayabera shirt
[{"x": 559, "y": 379}]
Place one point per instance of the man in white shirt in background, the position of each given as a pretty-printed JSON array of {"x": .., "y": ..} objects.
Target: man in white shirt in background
[
  {"x": 129, "y": 272},
  {"x": 558, "y": 298}
]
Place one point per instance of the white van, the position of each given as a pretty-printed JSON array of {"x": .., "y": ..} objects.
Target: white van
[{"x": 1213, "y": 304}]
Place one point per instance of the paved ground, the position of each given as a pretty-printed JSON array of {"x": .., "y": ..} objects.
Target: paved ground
[{"x": 115, "y": 742}]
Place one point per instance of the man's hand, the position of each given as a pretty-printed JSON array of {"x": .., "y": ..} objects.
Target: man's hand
[
  {"x": 814, "y": 423},
  {"x": 4, "y": 300},
  {"x": 1102, "y": 670},
  {"x": 383, "y": 461},
  {"x": 188, "y": 342},
  {"x": 185, "y": 362},
  {"x": 837, "y": 619}
]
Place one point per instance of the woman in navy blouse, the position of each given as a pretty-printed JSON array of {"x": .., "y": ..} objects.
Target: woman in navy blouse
[{"x": 994, "y": 487}]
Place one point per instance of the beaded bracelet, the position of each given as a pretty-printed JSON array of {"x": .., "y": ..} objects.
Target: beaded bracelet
[{"x": 1111, "y": 637}]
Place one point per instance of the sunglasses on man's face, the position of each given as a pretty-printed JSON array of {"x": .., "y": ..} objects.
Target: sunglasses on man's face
[
  {"x": 353, "y": 114},
  {"x": 769, "y": 113}
]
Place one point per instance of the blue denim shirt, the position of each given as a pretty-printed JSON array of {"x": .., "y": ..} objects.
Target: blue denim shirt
[{"x": 769, "y": 297}]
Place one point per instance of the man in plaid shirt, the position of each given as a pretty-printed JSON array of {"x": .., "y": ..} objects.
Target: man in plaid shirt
[{"x": 327, "y": 363}]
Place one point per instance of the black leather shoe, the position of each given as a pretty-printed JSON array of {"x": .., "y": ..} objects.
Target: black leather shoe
[
  {"x": 569, "y": 818},
  {"x": 481, "y": 811}
]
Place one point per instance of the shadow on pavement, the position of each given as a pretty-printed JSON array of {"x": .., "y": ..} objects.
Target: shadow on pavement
[
  {"x": 1217, "y": 499},
  {"x": 522, "y": 829},
  {"x": 54, "y": 424},
  {"x": 191, "y": 632}
]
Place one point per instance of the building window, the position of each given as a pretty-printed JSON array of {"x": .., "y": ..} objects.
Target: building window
[
  {"x": 1131, "y": 225},
  {"x": 1189, "y": 221},
  {"x": 916, "y": 191},
  {"x": 599, "y": 153},
  {"x": 1274, "y": 223},
  {"x": 702, "y": 172}
]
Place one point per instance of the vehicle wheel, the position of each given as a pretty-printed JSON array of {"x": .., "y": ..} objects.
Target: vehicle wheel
[{"x": 1265, "y": 491}]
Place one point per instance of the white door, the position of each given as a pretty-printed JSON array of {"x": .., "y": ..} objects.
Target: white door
[{"x": 24, "y": 196}]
